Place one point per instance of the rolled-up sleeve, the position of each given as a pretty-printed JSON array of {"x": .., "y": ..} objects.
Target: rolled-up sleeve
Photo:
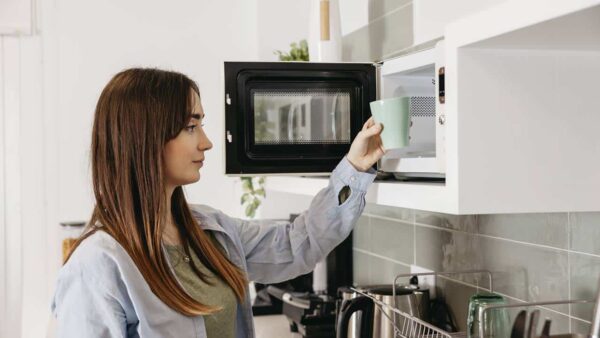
[{"x": 280, "y": 251}]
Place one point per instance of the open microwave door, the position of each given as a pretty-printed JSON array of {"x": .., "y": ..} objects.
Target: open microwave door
[{"x": 293, "y": 117}]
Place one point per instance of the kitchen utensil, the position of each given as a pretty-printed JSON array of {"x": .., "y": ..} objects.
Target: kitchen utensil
[
  {"x": 344, "y": 295},
  {"x": 495, "y": 321},
  {"x": 518, "y": 329},
  {"x": 348, "y": 309},
  {"x": 546, "y": 329},
  {"x": 533, "y": 320},
  {"x": 378, "y": 321}
]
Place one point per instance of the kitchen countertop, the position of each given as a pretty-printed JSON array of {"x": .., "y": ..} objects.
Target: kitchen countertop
[{"x": 273, "y": 326}]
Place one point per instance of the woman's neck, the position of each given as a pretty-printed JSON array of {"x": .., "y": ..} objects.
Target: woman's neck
[{"x": 170, "y": 232}]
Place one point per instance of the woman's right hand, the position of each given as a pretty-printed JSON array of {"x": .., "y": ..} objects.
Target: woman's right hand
[{"x": 367, "y": 148}]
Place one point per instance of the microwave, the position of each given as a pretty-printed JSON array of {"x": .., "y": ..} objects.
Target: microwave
[{"x": 300, "y": 118}]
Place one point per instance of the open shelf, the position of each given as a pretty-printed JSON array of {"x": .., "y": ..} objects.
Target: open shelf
[
  {"x": 533, "y": 24},
  {"x": 575, "y": 31},
  {"x": 522, "y": 106},
  {"x": 413, "y": 195}
]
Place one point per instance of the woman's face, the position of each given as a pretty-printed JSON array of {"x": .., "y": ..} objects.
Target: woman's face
[{"x": 183, "y": 156}]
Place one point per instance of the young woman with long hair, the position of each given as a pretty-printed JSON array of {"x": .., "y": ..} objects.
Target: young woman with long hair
[{"x": 151, "y": 265}]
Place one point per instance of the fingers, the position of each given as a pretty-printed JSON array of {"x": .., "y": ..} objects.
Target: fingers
[
  {"x": 374, "y": 129},
  {"x": 369, "y": 123}
]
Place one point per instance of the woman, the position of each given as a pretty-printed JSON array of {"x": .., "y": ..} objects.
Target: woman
[{"x": 149, "y": 264}]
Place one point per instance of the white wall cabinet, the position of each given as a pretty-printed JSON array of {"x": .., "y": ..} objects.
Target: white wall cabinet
[{"x": 522, "y": 114}]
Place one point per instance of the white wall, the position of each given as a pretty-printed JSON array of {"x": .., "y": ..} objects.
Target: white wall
[
  {"x": 280, "y": 22},
  {"x": 15, "y": 16},
  {"x": 188, "y": 36},
  {"x": 49, "y": 85}
]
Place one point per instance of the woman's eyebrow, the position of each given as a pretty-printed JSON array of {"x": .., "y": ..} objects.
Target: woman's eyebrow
[{"x": 197, "y": 116}]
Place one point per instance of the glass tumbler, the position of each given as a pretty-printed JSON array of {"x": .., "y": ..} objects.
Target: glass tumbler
[{"x": 495, "y": 322}]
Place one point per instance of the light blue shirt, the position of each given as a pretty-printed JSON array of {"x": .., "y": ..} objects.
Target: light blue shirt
[{"x": 101, "y": 293}]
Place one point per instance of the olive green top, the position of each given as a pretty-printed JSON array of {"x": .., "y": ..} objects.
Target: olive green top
[{"x": 220, "y": 324}]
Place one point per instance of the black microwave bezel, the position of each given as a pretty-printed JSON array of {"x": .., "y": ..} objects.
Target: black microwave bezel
[{"x": 244, "y": 158}]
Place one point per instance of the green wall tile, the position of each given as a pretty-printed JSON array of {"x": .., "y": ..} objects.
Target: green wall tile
[{"x": 547, "y": 228}]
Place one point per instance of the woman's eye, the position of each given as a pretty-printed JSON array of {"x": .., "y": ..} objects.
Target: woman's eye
[{"x": 191, "y": 128}]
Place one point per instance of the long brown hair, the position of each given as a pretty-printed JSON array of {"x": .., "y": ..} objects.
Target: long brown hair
[{"x": 138, "y": 112}]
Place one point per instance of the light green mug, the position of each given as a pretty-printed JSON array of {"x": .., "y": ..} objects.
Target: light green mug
[{"x": 393, "y": 114}]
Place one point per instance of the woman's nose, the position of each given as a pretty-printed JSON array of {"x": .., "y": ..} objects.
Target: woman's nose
[{"x": 205, "y": 143}]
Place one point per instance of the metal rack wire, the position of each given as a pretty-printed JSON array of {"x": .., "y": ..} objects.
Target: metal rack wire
[
  {"x": 405, "y": 325},
  {"x": 409, "y": 326}
]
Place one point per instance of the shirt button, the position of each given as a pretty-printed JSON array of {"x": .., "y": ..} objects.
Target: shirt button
[{"x": 352, "y": 178}]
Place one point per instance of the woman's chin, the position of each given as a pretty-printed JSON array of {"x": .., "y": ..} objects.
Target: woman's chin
[{"x": 196, "y": 177}]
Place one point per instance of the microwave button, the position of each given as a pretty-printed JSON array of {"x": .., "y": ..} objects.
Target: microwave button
[
  {"x": 228, "y": 99},
  {"x": 442, "y": 119},
  {"x": 229, "y": 137}
]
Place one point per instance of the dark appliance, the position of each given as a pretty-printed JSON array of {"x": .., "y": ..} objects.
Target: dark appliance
[
  {"x": 373, "y": 321},
  {"x": 310, "y": 314},
  {"x": 293, "y": 117}
]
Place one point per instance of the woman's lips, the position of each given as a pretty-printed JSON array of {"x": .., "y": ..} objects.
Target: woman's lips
[{"x": 200, "y": 163}]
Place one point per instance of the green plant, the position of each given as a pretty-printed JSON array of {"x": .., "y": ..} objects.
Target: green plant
[
  {"x": 298, "y": 52},
  {"x": 252, "y": 197}
]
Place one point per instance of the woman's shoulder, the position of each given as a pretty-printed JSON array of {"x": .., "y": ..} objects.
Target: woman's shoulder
[
  {"x": 209, "y": 217},
  {"x": 202, "y": 211},
  {"x": 97, "y": 256},
  {"x": 99, "y": 268}
]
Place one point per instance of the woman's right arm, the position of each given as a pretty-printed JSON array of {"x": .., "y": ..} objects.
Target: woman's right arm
[{"x": 86, "y": 302}]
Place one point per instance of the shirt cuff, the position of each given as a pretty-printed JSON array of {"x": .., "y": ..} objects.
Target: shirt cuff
[{"x": 346, "y": 174}]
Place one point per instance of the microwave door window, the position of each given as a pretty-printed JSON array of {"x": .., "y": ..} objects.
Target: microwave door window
[{"x": 301, "y": 118}]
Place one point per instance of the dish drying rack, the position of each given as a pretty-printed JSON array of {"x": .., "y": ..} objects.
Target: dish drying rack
[{"x": 408, "y": 326}]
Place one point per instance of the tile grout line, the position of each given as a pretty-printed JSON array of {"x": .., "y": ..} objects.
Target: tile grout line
[
  {"x": 489, "y": 236},
  {"x": 414, "y": 244},
  {"x": 413, "y": 219},
  {"x": 370, "y": 236},
  {"x": 388, "y": 13},
  {"x": 379, "y": 18},
  {"x": 365, "y": 252}
]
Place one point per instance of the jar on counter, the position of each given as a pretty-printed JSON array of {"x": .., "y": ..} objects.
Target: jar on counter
[{"x": 69, "y": 234}]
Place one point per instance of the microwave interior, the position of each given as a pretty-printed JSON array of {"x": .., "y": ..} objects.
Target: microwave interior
[{"x": 293, "y": 117}]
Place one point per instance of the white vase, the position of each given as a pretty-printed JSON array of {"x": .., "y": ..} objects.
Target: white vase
[{"x": 325, "y": 36}]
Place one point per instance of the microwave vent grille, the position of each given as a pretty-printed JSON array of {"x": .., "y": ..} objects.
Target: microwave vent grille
[{"x": 422, "y": 106}]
